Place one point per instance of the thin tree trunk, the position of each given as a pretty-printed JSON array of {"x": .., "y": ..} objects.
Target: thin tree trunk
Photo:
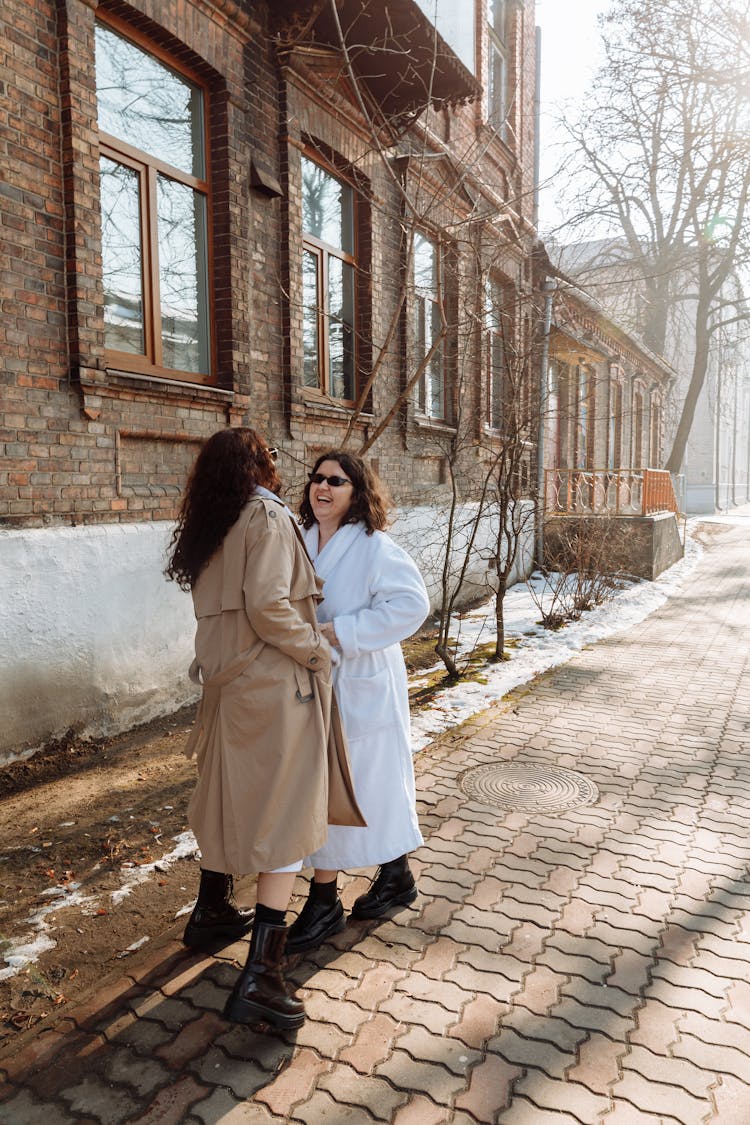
[{"x": 697, "y": 379}]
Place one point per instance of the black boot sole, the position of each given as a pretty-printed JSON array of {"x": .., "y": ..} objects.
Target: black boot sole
[
  {"x": 237, "y": 1010},
  {"x": 293, "y": 947},
  {"x": 402, "y": 899},
  {"x": 203, "y": 937}
]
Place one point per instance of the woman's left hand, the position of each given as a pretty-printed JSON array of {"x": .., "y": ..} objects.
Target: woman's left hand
[{"x": 327, "y": 630}]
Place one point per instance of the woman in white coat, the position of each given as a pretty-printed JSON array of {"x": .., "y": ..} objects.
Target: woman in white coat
[{"x": 373, "y": 598}]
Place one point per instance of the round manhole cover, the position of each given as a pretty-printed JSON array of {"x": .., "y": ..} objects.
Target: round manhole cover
[{"x": 528, "y": 788}]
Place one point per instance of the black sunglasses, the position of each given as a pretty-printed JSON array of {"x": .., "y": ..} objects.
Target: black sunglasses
[
  {"x": 272, "y": 453},
  {"x": 335, "y": 482}
]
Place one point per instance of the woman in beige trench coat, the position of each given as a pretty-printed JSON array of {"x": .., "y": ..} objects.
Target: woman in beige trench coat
[{"x": 272, "y": 764}]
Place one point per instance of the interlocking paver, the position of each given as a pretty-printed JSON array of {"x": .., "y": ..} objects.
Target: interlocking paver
[
  {"x": 222, "y": 1106},
  {"x": 321, "y": 1107},
  {"x": 661, "y": 1098},
  {"x": 102, "y": 1101},
  {"x": 407, "y": 1073},
  {"x": 598, "y": 1065},
  {"x": 294, "y": 1083},
  {"x": 373, "y": 1043},
  {"x": 731, "y": 1100},
  {"x": 586, "y": 968},
  {"x": 348, "y": 1087},
  {"x": 172, "y": 1103},
  {"x": 568, "y": 1097},
  {"x": 489, "y": 1088},
  {"x": 450, "y": 1053},
  {"x": 421, "y": 1111}
]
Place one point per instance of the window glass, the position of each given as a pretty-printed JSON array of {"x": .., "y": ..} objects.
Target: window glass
[
  {"x": 328, "y": 282},
  {"x": 496, "y": 88},
  {"x": 121, "y": 258},
  {"x": 582, "y": 420},
  {"x": 425, "y": 262},
  {"x": 154, "y": 222},
  {"x": 327, "y": 210},
  {"x": 181, "y": 222},
  {"x": 496, "y": 10},
  {"x": 310, "y": 317},
  {"x": 496, "y": 322},
  {"x": 144, "y": 102},
  {"x": 341, "y": 328},
  {"x": 428, "y": 327}
]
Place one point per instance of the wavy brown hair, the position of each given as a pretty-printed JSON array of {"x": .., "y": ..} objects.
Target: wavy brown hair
[
  {"x": 225, "y": 474},
  {"x": 370, "y": 500}
]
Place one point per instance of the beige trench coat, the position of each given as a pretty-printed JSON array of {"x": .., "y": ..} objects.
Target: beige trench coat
[{"x": 273, "y": 770}]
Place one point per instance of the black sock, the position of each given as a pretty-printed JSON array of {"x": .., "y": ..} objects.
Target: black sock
[
  {"x": 324, "y": 892},
  {"x": 267, "y": 914}
]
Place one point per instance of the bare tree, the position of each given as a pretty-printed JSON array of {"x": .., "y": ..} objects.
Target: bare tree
[
  {"x": 428, "y": 351},
  {"x": 659, "y": 158}
]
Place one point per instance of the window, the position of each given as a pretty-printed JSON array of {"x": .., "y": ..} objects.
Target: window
[
  {"x": 498, "y": 319},
  {"x": 638, "y": 428},
  {"x": 655, "y": 452},
  {"x": 615, "y": 423},
  {"x": 328, "y": 282},
  {"x": 428, "y": 330},
  {"x": 154, "y": 209},
  {"x": 497, "y": 66}
]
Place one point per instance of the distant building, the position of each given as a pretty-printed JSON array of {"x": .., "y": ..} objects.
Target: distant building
[{"x": 715, "y": 473}]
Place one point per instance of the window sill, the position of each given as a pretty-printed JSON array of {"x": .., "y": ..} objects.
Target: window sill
[
  {"x": 311, "y": 402},
  {"x": 147, "y": 384},
  {"x": 96, "y": 386},
  {"x": 434, "y": 425}
]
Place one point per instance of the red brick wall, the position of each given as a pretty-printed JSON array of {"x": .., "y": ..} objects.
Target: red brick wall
[{"x": 83, "y": 444}]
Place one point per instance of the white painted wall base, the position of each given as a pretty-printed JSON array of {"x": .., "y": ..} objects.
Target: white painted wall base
[
  {"x": 92, "y": 635},
  {"x": 94, "y": 638}
]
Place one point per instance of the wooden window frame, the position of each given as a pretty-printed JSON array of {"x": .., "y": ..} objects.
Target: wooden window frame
[
  {"x": 497, "y": 46},
  {"x": 422, "y": 346},
  {"x": 503, "y": 329},
  {"x": 639, "y": 425},
  {"x": 323, "y": 251},
  {"x": 615, "y": 432},
  {"x": 148, "y": 167}
]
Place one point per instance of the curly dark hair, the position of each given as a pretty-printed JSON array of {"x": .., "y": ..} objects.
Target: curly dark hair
[
  {"x": 370, "y": 500},
  {"x": 225, "y": 474}
]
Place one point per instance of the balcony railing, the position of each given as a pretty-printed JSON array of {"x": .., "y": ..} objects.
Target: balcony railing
[{"x": 608, "y": 492}]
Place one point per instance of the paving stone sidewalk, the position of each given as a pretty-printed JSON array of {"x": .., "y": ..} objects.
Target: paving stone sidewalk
[{"x": 558, "y": 968}]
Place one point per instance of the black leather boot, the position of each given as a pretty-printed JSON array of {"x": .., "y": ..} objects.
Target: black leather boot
[
  {"x": 261, "y": 995},
  {"x": 216, "y": 919},
  {"x": 318, "y": 919},
  {"x": 393, "y": 886}
]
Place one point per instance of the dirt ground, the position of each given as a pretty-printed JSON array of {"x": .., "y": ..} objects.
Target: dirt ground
[{"x": 78, "y": 820}]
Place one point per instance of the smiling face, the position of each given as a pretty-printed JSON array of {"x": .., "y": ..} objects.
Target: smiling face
[{"x": 330, "y": 503}]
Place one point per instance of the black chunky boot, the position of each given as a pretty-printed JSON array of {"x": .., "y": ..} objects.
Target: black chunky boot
[
  {"x": 320, "y": 918},
  {"x": 216, "y": 919},
  {"x": 393, "y": 886},
  {"x": 261, "y": 995}
]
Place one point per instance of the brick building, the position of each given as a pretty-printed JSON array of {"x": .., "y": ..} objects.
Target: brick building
[{"x": 309, "y": 219}]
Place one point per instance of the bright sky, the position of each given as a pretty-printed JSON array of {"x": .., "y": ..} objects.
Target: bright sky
[{"x": 571, "y": 51}]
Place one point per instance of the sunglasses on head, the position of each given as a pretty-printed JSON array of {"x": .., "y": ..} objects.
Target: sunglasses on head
[
  {"x": 335, "y": 482},
  {"x": 273, "y": 453}
]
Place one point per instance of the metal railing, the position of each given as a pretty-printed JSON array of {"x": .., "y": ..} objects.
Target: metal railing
[{"x": 618, "y": 492}]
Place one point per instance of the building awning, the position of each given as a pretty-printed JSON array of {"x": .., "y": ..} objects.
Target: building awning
[{"x": 394, "y": 49}]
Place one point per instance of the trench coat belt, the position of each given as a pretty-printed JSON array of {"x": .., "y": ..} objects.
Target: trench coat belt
[{"x": 209, "y": 705}]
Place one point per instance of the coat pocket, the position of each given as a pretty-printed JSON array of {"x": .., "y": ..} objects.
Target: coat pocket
[
  {"x": 305, "y": 689},
  {"x": 366, "y": 703}
]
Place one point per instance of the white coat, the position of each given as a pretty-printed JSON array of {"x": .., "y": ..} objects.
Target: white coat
[{"x": 375, "y": 597}]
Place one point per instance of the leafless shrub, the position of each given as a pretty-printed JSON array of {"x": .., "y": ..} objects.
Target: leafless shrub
[{"x": 583, "y": 569}]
